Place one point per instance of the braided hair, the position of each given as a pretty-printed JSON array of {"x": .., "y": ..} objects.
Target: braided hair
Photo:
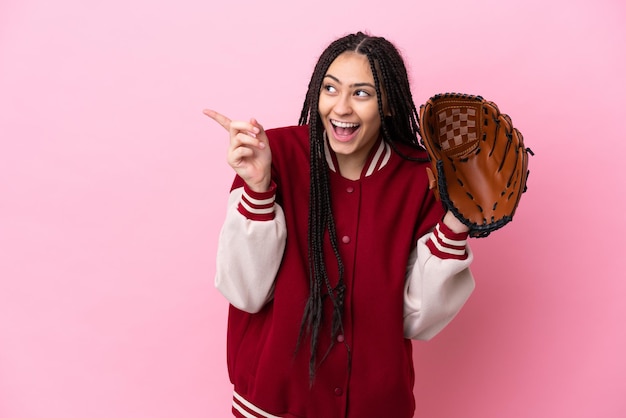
[{"x": 400, "y": 124}]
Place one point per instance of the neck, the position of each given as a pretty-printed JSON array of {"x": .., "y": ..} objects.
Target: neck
[{"x": 350, "y": 167}]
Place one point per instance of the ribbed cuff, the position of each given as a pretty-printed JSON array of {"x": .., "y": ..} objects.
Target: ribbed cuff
[
  {"x": 258, "y": 206},
  {"x": 444, "y": 243}
]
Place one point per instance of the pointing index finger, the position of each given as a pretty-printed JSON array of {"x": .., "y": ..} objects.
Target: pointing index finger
[{"x": 218, "y": 117}]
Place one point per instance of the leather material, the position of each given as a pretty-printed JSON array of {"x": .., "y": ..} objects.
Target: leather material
[{"x": 479, "y": 165}]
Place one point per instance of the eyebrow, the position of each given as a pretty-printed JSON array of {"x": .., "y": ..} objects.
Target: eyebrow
[{"x": 352, "y": 85}]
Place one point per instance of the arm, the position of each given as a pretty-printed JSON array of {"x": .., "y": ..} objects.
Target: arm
[
  {"x": 250, "y": 248},
  {"x": 438, "y": 281},
  {"x": 252, "y": 240}
]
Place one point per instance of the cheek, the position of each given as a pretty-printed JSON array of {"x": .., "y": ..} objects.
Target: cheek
[
  {"x": 322, "y": 106},
  {"x": 373, "y": 118}
]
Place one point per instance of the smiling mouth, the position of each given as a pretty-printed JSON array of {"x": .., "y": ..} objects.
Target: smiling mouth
[{"x": 344, "y": 130}]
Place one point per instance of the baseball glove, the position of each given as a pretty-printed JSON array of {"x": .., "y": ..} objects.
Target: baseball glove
[{"x": 478, "y": 159}]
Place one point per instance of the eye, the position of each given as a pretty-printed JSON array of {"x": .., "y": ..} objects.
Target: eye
[
  {"x": 362, "y": 93},
  {"x": 329, "y": 88}
]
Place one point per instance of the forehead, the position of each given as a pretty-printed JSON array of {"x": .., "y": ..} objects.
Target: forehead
[{"x": 351, "y": 66}]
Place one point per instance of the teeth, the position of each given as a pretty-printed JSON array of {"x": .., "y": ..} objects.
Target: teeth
[{"x": 343, "y": 124}]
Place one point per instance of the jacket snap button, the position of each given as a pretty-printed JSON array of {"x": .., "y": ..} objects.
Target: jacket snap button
[
  {"x": 345, "y": 239},
  {"x": 338, "y": 391}
]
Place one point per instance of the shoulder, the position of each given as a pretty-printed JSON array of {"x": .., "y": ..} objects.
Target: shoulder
[
  {"x": 287, "y": 133},
  {"x": 289, "y": 142},
  {"x": 412, "y": 152},
  {"x": 290, "y": 154},
  {"x": 412, "y": 160},
  {"x": 410, "y": 174}
]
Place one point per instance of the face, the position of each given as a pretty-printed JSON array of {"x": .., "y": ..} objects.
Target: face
[{"x": 348, "y": 108}]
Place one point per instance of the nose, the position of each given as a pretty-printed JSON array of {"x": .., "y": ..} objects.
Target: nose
[{"x": 343, "y": 105}]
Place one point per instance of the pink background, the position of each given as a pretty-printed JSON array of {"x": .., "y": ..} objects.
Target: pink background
[{"x": 113, "y": 186}]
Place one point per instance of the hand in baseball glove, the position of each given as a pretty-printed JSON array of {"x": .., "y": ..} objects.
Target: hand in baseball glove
[{"x": 479, "y": 162}]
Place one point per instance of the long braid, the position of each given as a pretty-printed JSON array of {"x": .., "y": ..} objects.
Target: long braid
[{"x": 402, "y": 125}]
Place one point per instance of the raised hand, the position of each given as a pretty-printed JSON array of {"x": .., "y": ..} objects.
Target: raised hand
[{"x": 249, "y": 152}]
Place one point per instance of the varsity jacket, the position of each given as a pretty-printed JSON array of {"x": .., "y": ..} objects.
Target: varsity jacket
[{"x": 406, "y": 275}]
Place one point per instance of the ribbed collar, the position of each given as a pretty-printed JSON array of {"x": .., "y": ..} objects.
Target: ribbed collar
[{"x": 378, "y": 158}]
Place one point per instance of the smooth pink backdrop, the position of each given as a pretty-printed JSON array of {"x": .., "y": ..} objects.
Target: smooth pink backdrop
[{"x": 113, "y": 187}]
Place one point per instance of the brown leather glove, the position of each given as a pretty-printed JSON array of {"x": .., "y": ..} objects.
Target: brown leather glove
[{"x": 479, "y": 162}]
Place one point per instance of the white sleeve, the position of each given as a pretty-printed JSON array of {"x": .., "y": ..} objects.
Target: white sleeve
[
  {"x": 438, "y": 282},
  {"x": 249, "y": 251}
]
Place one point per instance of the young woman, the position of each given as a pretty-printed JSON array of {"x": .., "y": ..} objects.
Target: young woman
[{"x": 334, "y": 252}]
